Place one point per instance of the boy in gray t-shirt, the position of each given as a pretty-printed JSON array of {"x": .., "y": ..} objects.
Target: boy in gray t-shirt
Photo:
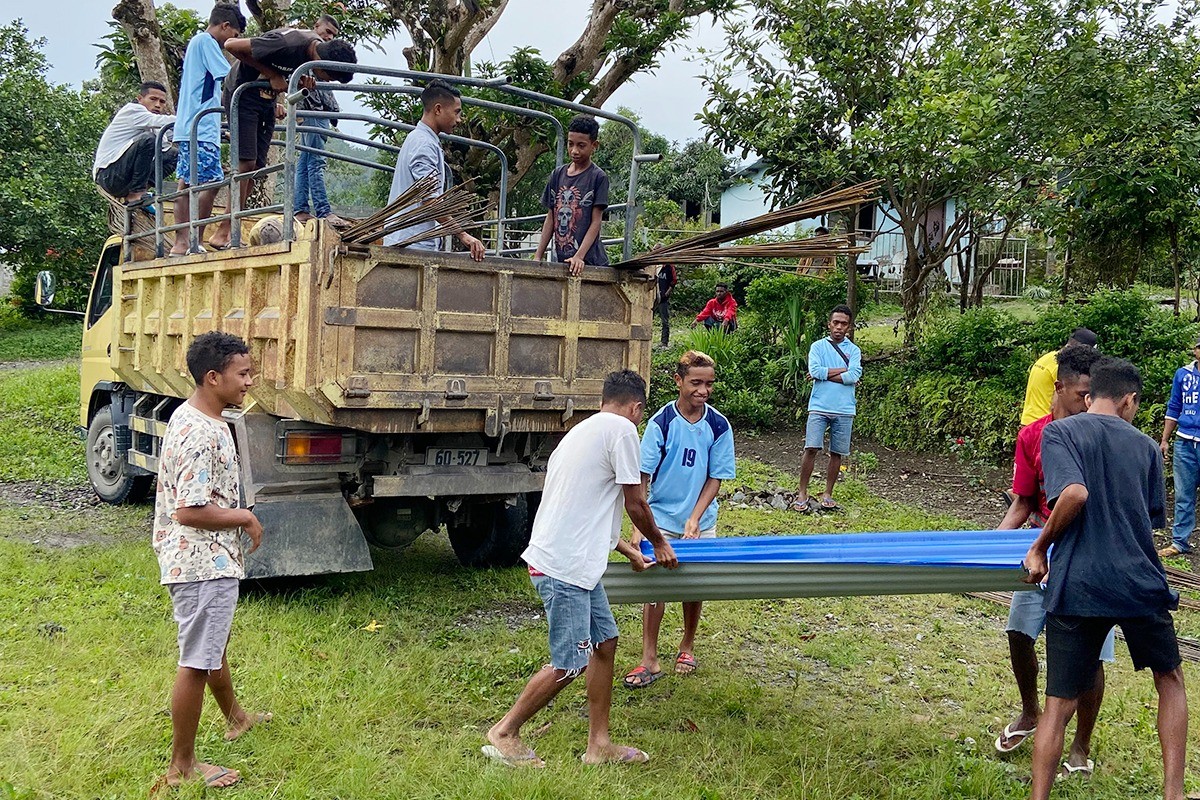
[
  {"x": 1104, "y": 485},
  {"x": 575, "y": 198}
]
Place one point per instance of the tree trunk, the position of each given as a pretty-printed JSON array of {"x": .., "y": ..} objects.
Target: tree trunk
[
  {"x": 140, "y": 24},
  {"x": 911, "y": 284},
  {"x": 1174, "y": 233}
]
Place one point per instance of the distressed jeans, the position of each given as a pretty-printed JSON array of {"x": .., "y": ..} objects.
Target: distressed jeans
[
  {"x": 1186, "y": 465},
  {"x": 310, "y": 173}
]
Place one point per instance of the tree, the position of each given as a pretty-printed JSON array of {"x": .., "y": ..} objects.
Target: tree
[
  {"x": 140, "y": 25},
  {"x": 123, "y": 65},
  {"x": 53, "y": 217},
  {"x": 940, "y": 100}
]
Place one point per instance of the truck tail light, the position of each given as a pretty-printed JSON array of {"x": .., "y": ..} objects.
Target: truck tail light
[{"x": 318, "y": 447}]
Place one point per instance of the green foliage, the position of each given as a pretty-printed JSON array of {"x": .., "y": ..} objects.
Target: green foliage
[
  {"x": 966, "y": 380},
  {"x": 976, "y": 340},
  {"x": 39, "y": 409},
  {"x": 53, "y": 217},
  {"x": 24, "y": 339},
  {"x": 118, "y": 67}
]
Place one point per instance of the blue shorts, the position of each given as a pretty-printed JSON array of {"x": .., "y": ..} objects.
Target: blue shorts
[
  {"x": 838, "y": 425},
  {"x": 579, "y": 620},
  {"x": 1026, "y": 615},
  {"x": 208, "y": 163}
]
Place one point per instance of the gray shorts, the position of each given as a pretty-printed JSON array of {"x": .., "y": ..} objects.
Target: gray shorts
[
  {"x": 707, "y": 533},
  {"x": 204, "y": 613}
]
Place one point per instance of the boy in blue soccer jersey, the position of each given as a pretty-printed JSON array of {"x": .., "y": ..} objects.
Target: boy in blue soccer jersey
[{"x": 687, "y": 451}]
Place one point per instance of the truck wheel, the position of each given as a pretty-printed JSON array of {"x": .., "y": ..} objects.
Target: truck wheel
[
  {"x": 107, "y": 469},
  {"x": 494, "y": 534}
]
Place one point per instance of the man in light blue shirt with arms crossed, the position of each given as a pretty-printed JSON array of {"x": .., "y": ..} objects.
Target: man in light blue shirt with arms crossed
[{"x": 835, "y": 367}]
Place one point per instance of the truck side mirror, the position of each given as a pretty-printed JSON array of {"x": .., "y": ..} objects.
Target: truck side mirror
[{"x": 43, "y": 289}]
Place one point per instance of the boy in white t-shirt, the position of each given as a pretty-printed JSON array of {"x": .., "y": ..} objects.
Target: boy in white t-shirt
[{"x": 578, "y": 523}]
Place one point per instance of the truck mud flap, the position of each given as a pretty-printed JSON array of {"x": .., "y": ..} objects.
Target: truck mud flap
[{"x": 309, "y": 534}]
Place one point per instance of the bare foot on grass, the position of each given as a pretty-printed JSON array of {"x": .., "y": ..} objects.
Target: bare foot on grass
[
  {"x": 214, "y": 776},
  {"x": 247, "y": 722},
  {"x": 615, "y": 754}
]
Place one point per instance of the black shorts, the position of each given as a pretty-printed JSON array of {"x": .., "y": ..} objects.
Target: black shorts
[
  {"x": 1073, "y": 648},
  {"x": 256, "y": 125}
]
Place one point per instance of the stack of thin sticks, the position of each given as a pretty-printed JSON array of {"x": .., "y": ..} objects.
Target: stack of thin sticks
[
  {"x": 705, "y": 247},
  {"x": 419, "y": 205}
]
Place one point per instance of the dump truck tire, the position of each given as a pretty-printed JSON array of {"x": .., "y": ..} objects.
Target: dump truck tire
[
  {"x": 494, "y": 535},
  {"x": 107, "y": 468}
]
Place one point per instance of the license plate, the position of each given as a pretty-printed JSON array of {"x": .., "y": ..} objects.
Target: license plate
[{"x": 455, "y": 457}]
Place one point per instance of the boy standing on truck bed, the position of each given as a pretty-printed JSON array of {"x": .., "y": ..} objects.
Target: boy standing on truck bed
[
  {"x": 273, "y": 57},
  {"x": 687, "y": 451},
  {"x": 578, "y": 523},
  {"x": 204, "y": 66},
  {"x": 575, "y": 198},
  {"x": 196, "y": 527}
]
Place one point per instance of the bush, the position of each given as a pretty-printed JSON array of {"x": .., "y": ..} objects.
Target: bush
[{"x": 967, "y": 378}]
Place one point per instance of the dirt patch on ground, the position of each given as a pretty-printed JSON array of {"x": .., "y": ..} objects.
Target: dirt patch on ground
[
  {"x": 934, "y": 482},
  {"x": 32, "y": 493},
  {"x": 514, "y": 616}
]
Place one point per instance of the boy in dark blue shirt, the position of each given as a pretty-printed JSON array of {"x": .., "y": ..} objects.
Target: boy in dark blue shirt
[
  {"x": 1104, "y": 484},
  {"x": 575, "y": 198},
  {"x": 1183, "y": 420}
]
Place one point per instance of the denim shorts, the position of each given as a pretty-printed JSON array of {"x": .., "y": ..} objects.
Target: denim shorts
[
  {"x": 204, "y": 612},
  {"x": 579, "y": 620},
  {"x": 1026, "y": 615},
  {"x": 1073, "y": 642},
  {"x": 208, "y": 163},
  {"x": 838, "y": 425}
]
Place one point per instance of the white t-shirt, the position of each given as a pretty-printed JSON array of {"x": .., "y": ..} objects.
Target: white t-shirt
[{"x": 579, "y": 520}]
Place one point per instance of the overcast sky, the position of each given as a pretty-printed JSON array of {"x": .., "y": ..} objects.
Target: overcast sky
[{"x": 667, "y": 100}]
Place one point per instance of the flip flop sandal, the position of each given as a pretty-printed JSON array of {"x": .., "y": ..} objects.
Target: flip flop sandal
[
  {"x": 807, "y": 507},
  {"x": 685, "y": 660},
  {"x": 212, "y": 778},
  {"x": 529, "y": 759},
  {"x": 1010, "y": 734},
  {"x": 1084, "y": 772},
  {"x": 830, "y": 506},
  {"x": 639, "y": 677}
]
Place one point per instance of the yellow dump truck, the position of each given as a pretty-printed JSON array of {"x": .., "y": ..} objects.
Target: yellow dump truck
[{"x": 396, "y": 389}]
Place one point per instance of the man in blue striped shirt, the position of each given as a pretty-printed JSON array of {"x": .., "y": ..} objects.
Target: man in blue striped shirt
[
  {"x": 835, "y": 368},
  {"x": 687, "y": 450}
]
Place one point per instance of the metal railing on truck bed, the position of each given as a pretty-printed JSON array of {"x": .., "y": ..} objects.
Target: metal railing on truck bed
[{"x": 291, "y": 145}]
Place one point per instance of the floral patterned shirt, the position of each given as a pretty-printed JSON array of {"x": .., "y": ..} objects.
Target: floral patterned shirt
[{"x": 198, "y": 466}]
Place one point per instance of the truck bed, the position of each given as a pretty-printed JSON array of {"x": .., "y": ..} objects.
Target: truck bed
[{"x": 390, "y": 340}]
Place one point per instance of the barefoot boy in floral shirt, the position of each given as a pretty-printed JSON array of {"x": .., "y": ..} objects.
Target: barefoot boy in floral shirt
[{"x": 197, "y": 524}]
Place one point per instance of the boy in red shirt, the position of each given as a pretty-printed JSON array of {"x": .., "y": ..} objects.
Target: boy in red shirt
[
  {"x": 1027, "y": 618},
  {"x": 721, "y": 311}
]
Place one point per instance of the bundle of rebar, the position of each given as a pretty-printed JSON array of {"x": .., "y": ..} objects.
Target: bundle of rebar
[
  {"x": 419, "y": 204},
  {"x": 703, "y": 247},
  {"x": 814, "y": 247}
]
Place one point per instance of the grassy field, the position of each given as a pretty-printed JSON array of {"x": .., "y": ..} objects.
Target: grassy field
[
  {"x": 382, "y": 684},
  {"x": 39, "y": 409},
  {"x": 38, "y": 340},
  {"x": 895, "y": 697}
]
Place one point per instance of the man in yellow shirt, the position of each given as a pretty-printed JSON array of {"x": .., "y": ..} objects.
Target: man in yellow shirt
[{"x": 1039, "y": 390}]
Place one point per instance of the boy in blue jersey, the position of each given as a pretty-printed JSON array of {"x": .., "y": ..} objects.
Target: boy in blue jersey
[
  {"x": 204, "y": 65},
  {"x": 835, "y": 368},
  {"x": 687, "y": 450}
]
